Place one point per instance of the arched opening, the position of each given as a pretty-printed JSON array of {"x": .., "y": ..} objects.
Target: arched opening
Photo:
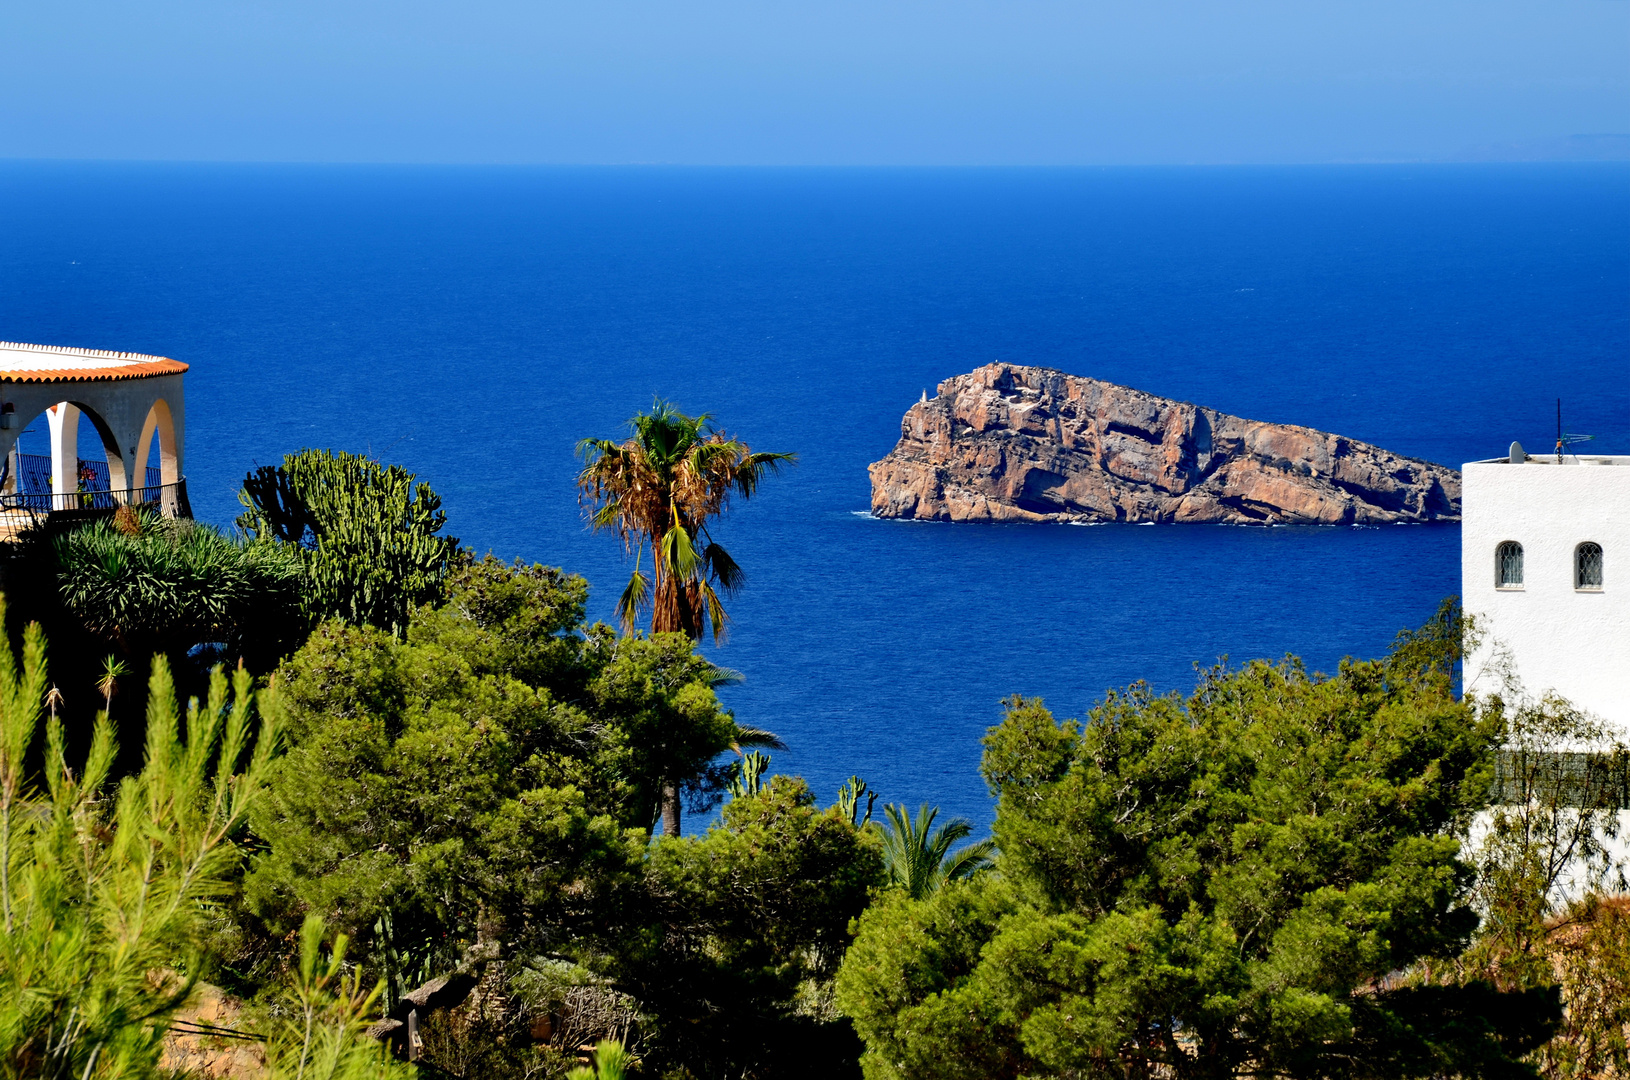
[
  {"x": 158, "y": 468},
  {"x": 1587, "y": 567},
  {"x": 1508, "y": 565},
  {"x": 156, "y": 461},
  {"x": 27, "y": 468},
  {"x": 57, "y": 463}
]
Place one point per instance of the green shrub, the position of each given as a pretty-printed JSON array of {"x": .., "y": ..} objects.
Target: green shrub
[
  {"x": 150, "y": 584},
  {"x": 367, "y": 534},
  {"x": 102, "y": 885},
  {"x": 1212, "y": 887}
]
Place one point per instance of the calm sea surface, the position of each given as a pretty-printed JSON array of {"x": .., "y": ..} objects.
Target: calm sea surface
[{"x": 474, "y": 323}]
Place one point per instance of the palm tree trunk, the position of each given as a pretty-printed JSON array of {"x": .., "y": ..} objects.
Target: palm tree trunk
[{"x": 670, "y": 810}]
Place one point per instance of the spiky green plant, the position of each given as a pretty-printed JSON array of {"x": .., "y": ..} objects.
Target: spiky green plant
[
  {"x": 113, "y": 669},
  {"x": 170, "y": 584},
  {"x": 102, "y": 885},
  {"x": 849, "y": 795},
  {"x": 321, "y": 1032},
  {"x": 749, "y": 774},
  {"x": 658, "y": 491},
  {"x": 610, "y": 1063},
  {"x": 917, "y": 856},
  {"x": 367, "y": 533}
]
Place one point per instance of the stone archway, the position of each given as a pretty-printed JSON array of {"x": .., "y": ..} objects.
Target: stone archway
[
  {"x": 63, "y": 419},
  {"x": 159, "y": 422}
]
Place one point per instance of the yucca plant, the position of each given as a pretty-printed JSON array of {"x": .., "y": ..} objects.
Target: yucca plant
[
  {"x": 917, "y": 856},
  {"x": 102, "y": 885},
  {"x": 170, "y": 584}
]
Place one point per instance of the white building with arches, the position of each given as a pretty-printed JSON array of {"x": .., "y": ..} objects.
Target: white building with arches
[
  {"x": 128, "y": 399},
  {"x": 1545, "y": 566}
]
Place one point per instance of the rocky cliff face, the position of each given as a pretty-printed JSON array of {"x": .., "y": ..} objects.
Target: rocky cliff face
[{"x": 1008, "y": 443}]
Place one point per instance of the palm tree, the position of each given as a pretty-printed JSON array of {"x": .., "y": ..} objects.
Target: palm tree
[
  {"x": 658, "y": 491},
  {"x": 918, "y": 856}
]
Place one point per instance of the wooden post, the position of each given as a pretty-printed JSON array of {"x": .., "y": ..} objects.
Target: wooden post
[{"x": 413, "y": 1035}]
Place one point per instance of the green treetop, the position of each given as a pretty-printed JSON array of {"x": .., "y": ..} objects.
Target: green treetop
[
  {"x": 1218, "y": 887},
  {"x": 494, "y": 775}
]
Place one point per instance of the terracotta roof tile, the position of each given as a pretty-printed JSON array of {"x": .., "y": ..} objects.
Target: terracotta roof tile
[{"x": 21, "y": 363}]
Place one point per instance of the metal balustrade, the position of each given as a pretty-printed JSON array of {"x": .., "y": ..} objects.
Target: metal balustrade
[
  {"x": 167, "y": 498},
  {"x": 35, "y": 498}
]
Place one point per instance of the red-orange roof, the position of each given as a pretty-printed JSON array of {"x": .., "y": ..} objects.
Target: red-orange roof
[{"x": 21, "y": 363}]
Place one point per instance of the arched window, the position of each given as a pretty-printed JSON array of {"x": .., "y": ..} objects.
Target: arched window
[
  {"x": 1587, "y": 567},
  {"x": 1508, "y": 565}
]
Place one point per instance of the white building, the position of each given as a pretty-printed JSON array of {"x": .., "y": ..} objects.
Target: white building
[
  {"x": 130, "y": 401},
  {"x": 1545, "y": 565}
]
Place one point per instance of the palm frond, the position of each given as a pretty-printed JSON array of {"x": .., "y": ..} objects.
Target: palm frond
[
  {"x": 666, "y": 434},
  {"x": 755, "y": 467},
  {"x": 717, "y": 676},
  {"x": 715, "y": 612},
  {"x": 967, "y": 861},
  {"x": 918, "y": 856},
  {"x": 723, "y": 568},
  {"x": 636, "y": 595},
  {"x": 593, "y": 449},
  {"x": 609, "y": 515},
  {"x": 747, "y": 738},
  {"x": 678, "y": 554}
]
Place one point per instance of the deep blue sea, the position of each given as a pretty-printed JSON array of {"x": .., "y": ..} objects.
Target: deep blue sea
[{"x": 474, "y": 323}]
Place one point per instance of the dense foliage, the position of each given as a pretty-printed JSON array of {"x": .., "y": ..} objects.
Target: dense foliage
[
  {"x": 366, "y": 532},
  {"x": 102, "y": 883},
  {"x": 502, "y": 765},
  {"x": 1265, "y": 878},
  {"x": 738, "y": 934},
  {"x": 1551, "y": 882},
  {"x": 320, "y": 1031},
  {"x": 150, "y": 584},
  {"x": 114, "y": 593},
  {"x": 1217, "y": 887}
]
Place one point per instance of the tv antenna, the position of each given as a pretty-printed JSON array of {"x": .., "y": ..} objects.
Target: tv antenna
[{"x": 1565, "y": 440}]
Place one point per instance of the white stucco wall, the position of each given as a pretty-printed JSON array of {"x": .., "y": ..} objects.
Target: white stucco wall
[{"x": 1574, "y": 642}]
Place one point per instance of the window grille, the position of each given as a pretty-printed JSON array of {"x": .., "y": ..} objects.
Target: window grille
[
  {"x": 1508, "y": 565},
  {"x": 1587, "y": 566}
]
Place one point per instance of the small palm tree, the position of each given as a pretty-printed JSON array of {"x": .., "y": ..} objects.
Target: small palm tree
[
  {"x": 113, "y": 669},
  {"x": 918, "y": 856},
  {"x": 658, "y": 491}
]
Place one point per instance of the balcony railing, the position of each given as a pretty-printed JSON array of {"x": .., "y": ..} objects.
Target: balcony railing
[
  {"x": 168, "y": 499},
  {"x": 33, "y": 495}
]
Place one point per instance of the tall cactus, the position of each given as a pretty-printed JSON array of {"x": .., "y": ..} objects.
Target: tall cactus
[{"x": 367, "y": 533}]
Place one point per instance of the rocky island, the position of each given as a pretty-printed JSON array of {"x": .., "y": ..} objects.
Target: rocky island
[{"x": 1013, "y": 443}]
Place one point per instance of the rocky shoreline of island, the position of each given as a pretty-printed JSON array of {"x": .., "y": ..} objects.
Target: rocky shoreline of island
[{"x": 1009, "y": 442}]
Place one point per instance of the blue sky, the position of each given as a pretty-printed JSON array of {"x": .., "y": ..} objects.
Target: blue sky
[{"x": 838, "y": 82}]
